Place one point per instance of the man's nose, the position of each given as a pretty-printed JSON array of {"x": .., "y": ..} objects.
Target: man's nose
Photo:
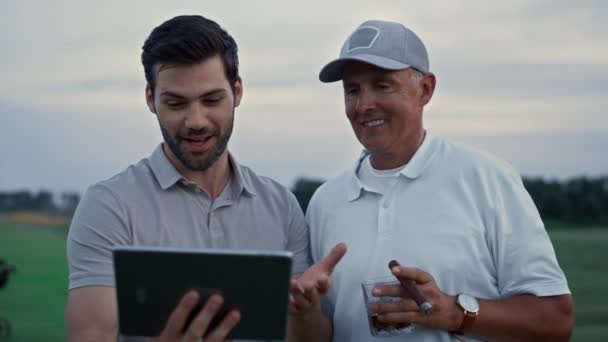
[
  {"x": 366, "y": 101},
  {"x": 198, "y": 117}
]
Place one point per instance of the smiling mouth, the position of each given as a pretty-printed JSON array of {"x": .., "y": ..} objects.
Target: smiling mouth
[
  {"x": 198, "y": 144},
  {"x": 373, "y": 123}
]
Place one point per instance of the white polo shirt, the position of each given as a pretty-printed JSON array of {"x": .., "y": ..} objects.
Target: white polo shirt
[{"x": 461, "y": 215}]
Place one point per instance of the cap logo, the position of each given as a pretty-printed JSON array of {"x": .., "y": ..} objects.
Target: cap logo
[{"x": 363, "y": 38}]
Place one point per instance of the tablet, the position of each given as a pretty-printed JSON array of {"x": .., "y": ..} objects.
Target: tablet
[{"x": 150, "y": 281}]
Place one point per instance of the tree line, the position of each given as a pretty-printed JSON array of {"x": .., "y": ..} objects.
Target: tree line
[
  {"x": 581, "y": 200},
  {"x": 41, "y": 201}
]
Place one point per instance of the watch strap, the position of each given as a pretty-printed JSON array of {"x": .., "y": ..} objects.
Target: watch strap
[{"x": 467, "y": 322}]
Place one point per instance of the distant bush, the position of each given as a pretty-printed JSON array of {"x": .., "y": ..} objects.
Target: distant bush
[
  {"x": 42, "y": 201},
  {"x": 577, "y": 200},
  {"x": 304, "y": 188}
]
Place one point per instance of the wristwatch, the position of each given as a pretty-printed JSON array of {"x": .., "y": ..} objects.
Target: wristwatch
[{"x": 471, "y": 309}]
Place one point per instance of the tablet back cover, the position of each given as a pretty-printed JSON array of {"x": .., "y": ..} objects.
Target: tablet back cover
[{"x": 150, "y": 283}]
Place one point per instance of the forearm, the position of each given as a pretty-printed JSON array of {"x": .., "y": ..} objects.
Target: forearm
[
  {"x": 92, "y": 336},
  {"x": 524, "y": 318},
  {"x": 91, "y": 314},
  {"x": 315, "y": 326}
]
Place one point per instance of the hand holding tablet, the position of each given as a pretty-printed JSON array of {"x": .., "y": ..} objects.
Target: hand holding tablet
[
  {"x": 196, "y": 316},
  {"x": 188, "y": 294}
]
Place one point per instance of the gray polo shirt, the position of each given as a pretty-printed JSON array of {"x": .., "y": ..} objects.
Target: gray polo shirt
[{"x": 151, "y": 204}]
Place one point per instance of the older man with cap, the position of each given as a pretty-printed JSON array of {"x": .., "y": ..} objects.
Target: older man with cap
[{"x": 459, "y": 221}]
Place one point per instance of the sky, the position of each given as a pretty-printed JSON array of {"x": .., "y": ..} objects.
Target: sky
[{"x": 524, "y": 80}]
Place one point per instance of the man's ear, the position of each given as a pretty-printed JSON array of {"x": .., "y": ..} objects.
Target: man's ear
[
  {"x": 150, "y": 99},
  {"x": 428, "y": 84},
  {"x": 238, "y": 91}
]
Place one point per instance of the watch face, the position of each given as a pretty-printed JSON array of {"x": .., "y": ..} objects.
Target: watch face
[{"x": 468, "y": 303}]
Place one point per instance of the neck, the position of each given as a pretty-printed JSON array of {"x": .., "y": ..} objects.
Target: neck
[
  {"x": 213, "y": 180},
  {"x": 394, "y": 159}
]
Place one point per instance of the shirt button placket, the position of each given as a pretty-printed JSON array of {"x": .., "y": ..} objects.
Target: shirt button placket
[
  {"x": 215, "y": 229},
  {"x": 384, "y": 216}
]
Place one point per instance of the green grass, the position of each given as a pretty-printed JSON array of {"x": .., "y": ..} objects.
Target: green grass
[
  {"x": 583, "y": 254},
  {"x": 35, "y": 297}
]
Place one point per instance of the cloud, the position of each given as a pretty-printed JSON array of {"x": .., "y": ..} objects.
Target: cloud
[
  {"x": 525, "y": 80},
  {"x": 69, "y": 150},
  {"x": 552, "y": 155},
  {"x": 95, "y": 85},
  {"x": 528, "y": 80}
]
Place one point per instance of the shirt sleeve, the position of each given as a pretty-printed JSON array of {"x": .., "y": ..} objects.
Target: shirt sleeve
[
  {"x": 298, "y": 241},
  {"x": 312, "y": 219},
  {"x": 524, "y": 256},
  {"x": 98, "y": 225}
]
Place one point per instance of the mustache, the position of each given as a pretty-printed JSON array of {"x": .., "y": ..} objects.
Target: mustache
[{"x": 193, "y": 133}]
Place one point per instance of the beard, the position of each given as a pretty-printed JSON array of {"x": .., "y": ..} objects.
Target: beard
[{"x": 198, "y": 161}]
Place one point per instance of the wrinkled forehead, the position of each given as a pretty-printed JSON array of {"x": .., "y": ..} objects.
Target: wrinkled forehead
[{"x": 191, "y": 80}]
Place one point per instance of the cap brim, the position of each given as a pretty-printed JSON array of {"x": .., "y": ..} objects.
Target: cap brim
[{"x": 332, "y": 71}]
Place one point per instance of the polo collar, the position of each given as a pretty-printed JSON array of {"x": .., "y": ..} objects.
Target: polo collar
[
  {"x": 242, "y": 181},
  {"x": 413, "y": 170},
  {"x": 167, "y": 175}
]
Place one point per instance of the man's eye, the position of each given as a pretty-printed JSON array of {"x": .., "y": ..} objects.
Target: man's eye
[
  {"x": 350, "y": 91},
  {"x": 214, "y": 100},
  {"x": 175, "y": 105},
  {"x": 383, "y": 86}
]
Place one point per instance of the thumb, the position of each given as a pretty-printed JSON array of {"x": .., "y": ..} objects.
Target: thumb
[
  {"x": 331, "y": 260},
  {"x": 323, "y": 285}
]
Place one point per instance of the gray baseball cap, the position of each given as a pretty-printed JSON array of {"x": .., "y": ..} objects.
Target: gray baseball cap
[{"x": 385, "y": 44}]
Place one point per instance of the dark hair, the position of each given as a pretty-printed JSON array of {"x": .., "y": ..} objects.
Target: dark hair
[{"x": 187, "y": 40}]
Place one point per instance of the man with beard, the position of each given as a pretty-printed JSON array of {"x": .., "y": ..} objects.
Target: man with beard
[{"x": 190, "y": 193}]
